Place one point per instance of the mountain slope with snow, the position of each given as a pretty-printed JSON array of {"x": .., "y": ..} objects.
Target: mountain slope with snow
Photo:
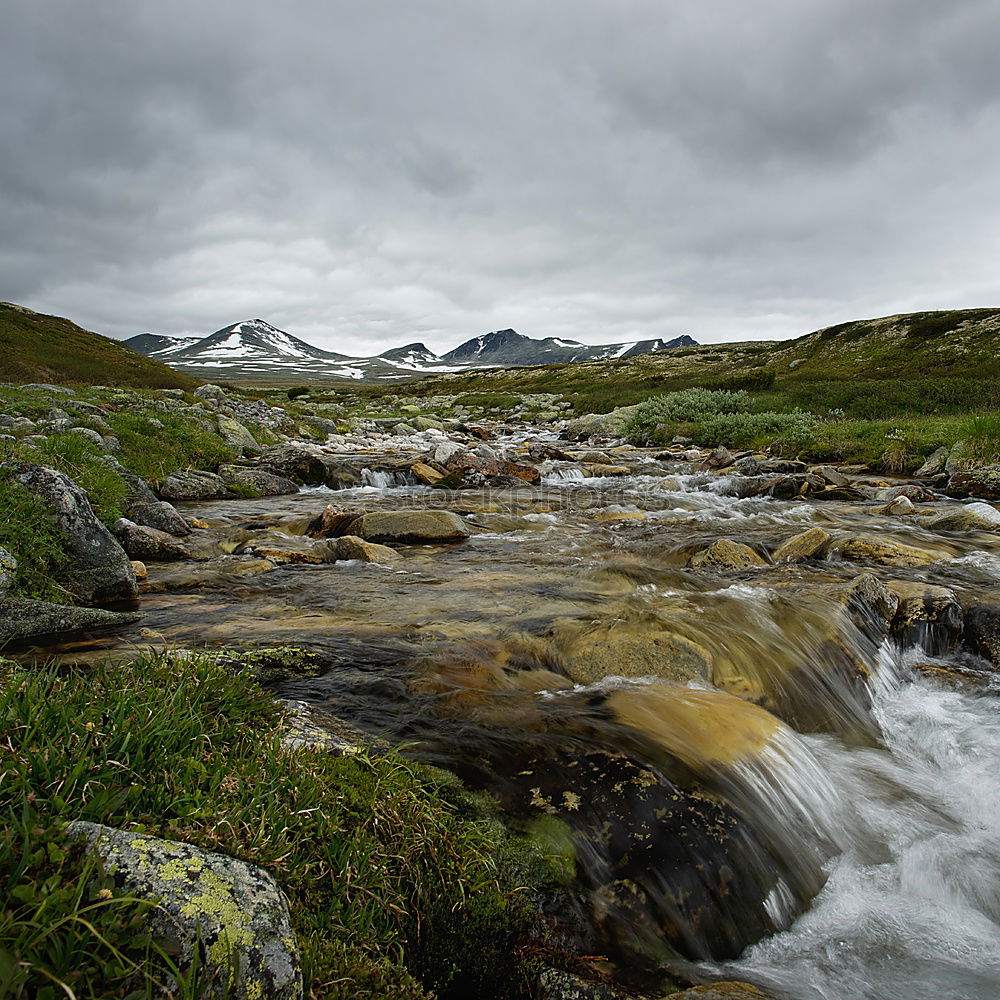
[{"x": 255, "y": 350}]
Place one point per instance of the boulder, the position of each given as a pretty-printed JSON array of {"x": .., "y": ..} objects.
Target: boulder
[
  {"x": 283, "y": 549},
  {"x": 885, "y": 552},
  {"x": 426, "y": 474},
  {"x": 927, "y": 616},
  {"x": 229, "y": 916},
  {"x": 142, "y": 506},
  {"x": 22, "y": 619},
  {"x": 256, "y": 482},
  {"x": 99, "y": 570},
  {"x": 970, "y": 517},
  {"x": 144, "y": 543},
  {"x": 982, "y": 631},
  {"x": 808, "y": 544},
  {"x": 981, "y": 483},
  {"x": 299, "y": 462},
  {"x": 353, "y": 547},
  {"x": 725, "y": 554},
  {"x": 237, "y": 436},
  {"x": 190, "y": 484},
  {"x": 331, "y": 522},
  {"x": 210, "y": 394},
  {"x": 900, "y": 507},
  {"x": 933, "y": 465},
  {"x": 601, "y": 471},
  {"x": 446, "y": 451},
  {"x": 414, "y": 526},
  {"x": 830, "y": 475}
]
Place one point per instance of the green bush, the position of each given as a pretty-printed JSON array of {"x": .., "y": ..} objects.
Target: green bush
[
  {"x": 392, "y": 890},
  {"x": 749, "y": 430},
  {"x": 684, "y": 406}
]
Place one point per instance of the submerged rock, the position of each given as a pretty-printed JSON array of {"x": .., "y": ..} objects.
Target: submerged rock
[
  {"x": 927, "y": 616},
  {"x": 982, "y": 631},
  {"x": 353, "y": 547},
  {"x": 971, "y": 517},
  {"x": 809, "y": 544},
  {"x": 256, "y": 482},
  {"x": 413, "y": 526},
  {"x": 725, "y": 554},
  {"x": 226, "y": 916},
  {"x": 885, "y": 552},
  {"x": 99, "y": 571}
]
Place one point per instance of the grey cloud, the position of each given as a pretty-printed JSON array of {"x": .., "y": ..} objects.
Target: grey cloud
[{"x": 367, "y": 174}]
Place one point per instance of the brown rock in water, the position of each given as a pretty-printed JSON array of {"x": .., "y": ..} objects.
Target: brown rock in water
[
  {"x": 982, "y": 631},
  {"x": 927, "y": 616},
  {"x": 722, "y": 991},
  {"x": 808, "y": 544},
  {"x": 725, "y": 554},
  {"x": 352, "y": 547},
  {"x": 601, "y": 471},
  {"x": 981, "y": 483},
  {"x": 333, "y": 521},
  {"x": 414, "y": 526},
  {"x": 426, "y": 474},
  {"x": 141, "y": 542},
  {"x": 885, "y": 552},
  {"x": 141, "y": 573}
]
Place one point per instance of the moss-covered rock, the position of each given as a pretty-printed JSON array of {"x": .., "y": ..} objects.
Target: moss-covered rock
[
  {"x": 725, "y": 554},
  {"x": 808, "y": 544},
  {"x": 886, "y": 552},
  {"x": 410, "y": 526},
  {"x": 228, "y": 917}
]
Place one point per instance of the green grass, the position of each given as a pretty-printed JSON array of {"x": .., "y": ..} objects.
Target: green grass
[
  {"x": 396, "y": 887},
  {"x": 39, "y": 348},
  {"x": 154, "y": 444},
  {"x": 34, "y": 541}
]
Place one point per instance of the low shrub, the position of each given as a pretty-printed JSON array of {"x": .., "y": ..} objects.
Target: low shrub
[
  {"x": 792, "y": 430},
  {"x": 683, "y": 406}
]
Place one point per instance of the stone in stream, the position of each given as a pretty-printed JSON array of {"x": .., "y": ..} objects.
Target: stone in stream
[
  {"x": 730, "y": 990},
  {"x": 332, "y": 521},
  {"x": 413, "y": 526},
  {"x": 971, "y": 517},
  {"x": 725, "y": 554},
  {"x": 144, "y": 543},
  {"x": 257, "y": 481},
  {"x": 831, "y": 475},
  {"x": 900, "y": 507},
  {"x": 284, "y": 549},
  {"x": 927, "y": 616},
  {"x": 190, "y": 484},
  {"x": 981, "y": 483},
  {"x": 982, "y": 631},
  {"x": 298, "y": 462},
  {"x": 933, "y": 465},
  {"x": 99, "y": 570},
  {"x": 426, "y": 474},
  {"x": 808, "y": 544},
  {"x": 143, "y": 507},
  {"x": 885, "y": 552},
  {"x": 228, "y": 915},
  {"x": 600, "y": 471},
  {"x": 352, "y": 547},
  {"x": 22, "y": 619}
]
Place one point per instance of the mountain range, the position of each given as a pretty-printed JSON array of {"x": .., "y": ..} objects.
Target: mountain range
[{"x": 255, "y": 350}]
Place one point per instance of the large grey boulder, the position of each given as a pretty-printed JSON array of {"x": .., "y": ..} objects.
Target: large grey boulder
[
  {"x": 189, "y": 484},
  {"x": 410, "y": 526},
  {"x": 99, "y": 569},
  {"x": 143, "y": 507},
  {"x": 256, "y": 481},
  {"x": 22, "y": 619},
  {"x": 210, "y": 394},
  {"x": 233, "y": 913},
  {"x": 149, "y": 544},
  {"x": 302, "y": 463},
  {"x": 237, "y": 436}
]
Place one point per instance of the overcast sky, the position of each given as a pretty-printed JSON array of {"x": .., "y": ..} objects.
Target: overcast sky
[{"x": 370, "y": 173}]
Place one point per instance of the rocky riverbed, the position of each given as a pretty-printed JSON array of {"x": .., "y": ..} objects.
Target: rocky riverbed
[{"x": 751, "y": 703}]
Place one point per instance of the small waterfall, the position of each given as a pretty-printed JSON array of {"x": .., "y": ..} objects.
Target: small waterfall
[
  {"x": 572, "y": 475},
  {"x": 382, "y": 480}
]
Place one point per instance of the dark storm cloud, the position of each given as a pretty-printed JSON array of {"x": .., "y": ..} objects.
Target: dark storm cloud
[{"x": 368, "y": 174}]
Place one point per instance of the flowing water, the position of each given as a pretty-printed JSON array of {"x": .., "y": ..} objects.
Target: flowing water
[{"x": 755, "y": 784}]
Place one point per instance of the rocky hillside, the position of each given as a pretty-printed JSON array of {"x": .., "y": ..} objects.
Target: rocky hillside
[{"x": 39, "y": 348}]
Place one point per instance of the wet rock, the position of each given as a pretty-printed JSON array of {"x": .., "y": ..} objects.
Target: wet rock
[
  {"x": 933, "y": 465},
  {"x": 607, "y": 471},
  {"x": 555, "y": 984},
  {"x": 593, "y": 457},
  {"x": 869, "y": 606},
  {"x": 283, "y": 549},
  {"x": 809, "y": 544},
  {"x": 982, "y": 631},
  {"x": 885, "y": 552},
  {"x": 446, "y": 451},
  {"x": 300, "y": 463},
  {"x": 719, "y": 458},
  {"x": 981, "y": 483},
  {"x": 99, "y": 569},
  {"x": 256, "y": 482},
  {"x": 830, "y": 475},
  {"x": 473, "y": 472},
  {"x": 353, "y": 547},
  {"x": 927, "y": 616},
  {"x": 22, "y": 619},
  {"x": 842, "y": 493},
  {"x": 426, "y": 474},
  {"x": 631, "y": 651},
  {"x": 237, "y": 436},
  {"x": 8, "y": 572},
  {"x": 332, "y": 521},
  {"x": 912, "y": 491},
  {"x": 189, "y": 484},
  {"x": 141, "y": 573},
  {"x": 772, "y": 466},
  {"x": 722, "y": 991},
  {"x": 414, "y": 526},
  {"x": 230, "y": 916},
  {"x": 725, "y": 554},
  {"x": 971, "y": 517},
  {"x": 900, "y": 507},
  {"x": 144, "y": 543}
]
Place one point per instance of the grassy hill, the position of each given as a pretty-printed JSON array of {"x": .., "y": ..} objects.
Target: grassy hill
[
  {"x": 39, "y": 348},
  {"x": 945, "y": 361}
]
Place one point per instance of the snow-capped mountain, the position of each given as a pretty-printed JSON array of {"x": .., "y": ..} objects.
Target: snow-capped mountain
[{"x": 253, "y": 349}]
